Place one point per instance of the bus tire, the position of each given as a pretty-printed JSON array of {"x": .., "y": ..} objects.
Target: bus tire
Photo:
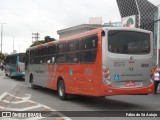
[
  {"x": 32, "y": 83},
  {"x": 61, "y": 90}
]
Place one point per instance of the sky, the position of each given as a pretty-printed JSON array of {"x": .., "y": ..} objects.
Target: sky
[{"x": 24, "y": 17}]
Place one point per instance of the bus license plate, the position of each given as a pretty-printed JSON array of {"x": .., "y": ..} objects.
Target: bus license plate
[{"x": 128, "y": 84}]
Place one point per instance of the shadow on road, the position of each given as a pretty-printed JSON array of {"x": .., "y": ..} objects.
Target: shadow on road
[
  {"x": 105, "y": 103},
  {"x": 15, "y": 78},
  {"x": 95, "y": 103}
]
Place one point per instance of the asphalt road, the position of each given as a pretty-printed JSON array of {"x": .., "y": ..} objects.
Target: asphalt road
[{"x": 26, "y": 98}]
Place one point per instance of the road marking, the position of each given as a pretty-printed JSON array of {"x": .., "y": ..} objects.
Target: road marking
[
  {"x": 3, "y": 95},
  {"x": 22, "y": 109},
  {"x": 25, "y": 99},
  {"x": 22, "y": 100}
]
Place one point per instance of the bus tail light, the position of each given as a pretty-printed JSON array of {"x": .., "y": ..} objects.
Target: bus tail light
[
  {"x": 106, "y": 75},
  {"x": 106, "y": 70},
  {"x": 18, "y": 69}
]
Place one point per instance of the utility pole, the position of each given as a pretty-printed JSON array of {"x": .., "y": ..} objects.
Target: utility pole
[
  {"x": 35, "y": 36},
  {"x": 1, "y": 38},
  {"x": 13, "y": 44},
  {"x": 158, "y": 35},
  {"x": 19, "y": 48}
]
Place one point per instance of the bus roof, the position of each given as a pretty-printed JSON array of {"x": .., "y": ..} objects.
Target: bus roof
[
  {"x": 127, "y": 28},
  {"x": 95, "y": 31}
]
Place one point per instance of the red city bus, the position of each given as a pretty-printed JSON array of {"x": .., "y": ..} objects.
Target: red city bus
[{"x": 100, "y": 62}]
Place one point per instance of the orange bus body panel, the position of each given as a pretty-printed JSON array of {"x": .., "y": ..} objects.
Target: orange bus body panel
[
  {"x": 85, "y": 79},
  {"x": 109, "y": 90}
]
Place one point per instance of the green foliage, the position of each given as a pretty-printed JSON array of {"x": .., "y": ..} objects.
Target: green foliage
[
  {"x": 37, "y": 43},
  {"x": 46, "y": 39}
]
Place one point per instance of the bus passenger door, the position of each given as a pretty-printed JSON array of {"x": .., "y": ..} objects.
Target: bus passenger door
[{"x": 27, "y": 67}]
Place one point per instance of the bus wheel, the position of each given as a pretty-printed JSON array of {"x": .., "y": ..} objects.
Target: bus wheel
[{"x": 61, "y": 90}]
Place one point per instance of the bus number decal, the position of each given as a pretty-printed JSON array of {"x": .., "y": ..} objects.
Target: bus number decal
[{"x": 88, "y": 71}]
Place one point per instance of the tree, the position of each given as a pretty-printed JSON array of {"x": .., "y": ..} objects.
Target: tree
[
  {"x": 37, "y": 43},
  {"x": 46, "y": 39}
]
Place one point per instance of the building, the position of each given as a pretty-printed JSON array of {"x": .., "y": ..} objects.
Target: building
[
  {"x": 83, "y": 28},
  {"x": 77, "y": 29}
]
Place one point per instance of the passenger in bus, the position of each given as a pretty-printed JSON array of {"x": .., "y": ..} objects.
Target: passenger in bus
[{"x": 156, "y": 78}]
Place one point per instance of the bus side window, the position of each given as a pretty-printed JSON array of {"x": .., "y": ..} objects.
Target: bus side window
[
  {"x": 24, "y": 59},
  {"x": 72, "y": 57},
  {"x": 32, "y": 61},
  {"x": 73, "y": 51},
  {"x": 61, "y": 48},
  {"x": 61, "y": 58},
  {"x": 51, "y": 59},
  {"x": 61, "y": 53},
  {"x": 51, "y": 54},
  {"x": 44, "y": 51},
  {"x": 52, "y": 50},
  {"x": 36, "y": 53},
  {"x": 88, "y": 49}
]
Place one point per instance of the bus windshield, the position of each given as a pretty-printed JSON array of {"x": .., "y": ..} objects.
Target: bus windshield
[{"x": 128, "y": 42}]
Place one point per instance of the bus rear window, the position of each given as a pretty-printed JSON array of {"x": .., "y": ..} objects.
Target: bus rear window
[{"x": 128, "y": 42}]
